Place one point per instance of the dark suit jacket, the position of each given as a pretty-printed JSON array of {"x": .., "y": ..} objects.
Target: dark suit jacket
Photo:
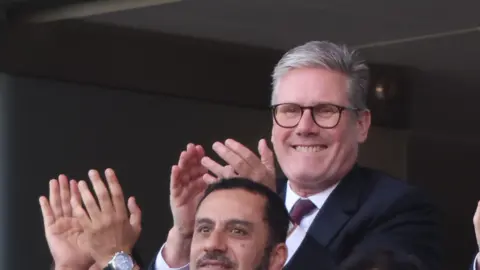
[{"x": 370, "y": 210}]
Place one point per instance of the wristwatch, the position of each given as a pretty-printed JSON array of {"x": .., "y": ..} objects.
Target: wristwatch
[{"x": 120, "y": 261}]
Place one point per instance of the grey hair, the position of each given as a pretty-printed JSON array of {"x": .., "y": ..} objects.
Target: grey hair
[{"x": 331, "y": 56}]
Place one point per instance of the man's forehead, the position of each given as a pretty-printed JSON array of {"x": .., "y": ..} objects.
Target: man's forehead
[
  {"x": 235, "y": 195},
  {"x": 311, "y": 81},
  {"x": 232, "y": 204}
]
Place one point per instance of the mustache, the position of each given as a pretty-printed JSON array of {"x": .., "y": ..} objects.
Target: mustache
[{"x": 215, "y": 256}]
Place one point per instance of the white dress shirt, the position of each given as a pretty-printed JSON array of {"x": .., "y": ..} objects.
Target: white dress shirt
[{"x": 294, "y": 239}]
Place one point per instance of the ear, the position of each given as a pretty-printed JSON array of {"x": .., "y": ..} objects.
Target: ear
[
  {"x": 278, "y": 257},
  {"x": 363, "y": 125},
  {"x": 272, "y": 133}
]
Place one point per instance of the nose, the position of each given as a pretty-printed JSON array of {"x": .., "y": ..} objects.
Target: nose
[
  {"x": 215, "y": 242},
  {"x": 307, "y": 126}
]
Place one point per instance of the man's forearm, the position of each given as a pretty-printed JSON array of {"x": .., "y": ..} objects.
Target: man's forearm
[{"x": 176, "y": 252}]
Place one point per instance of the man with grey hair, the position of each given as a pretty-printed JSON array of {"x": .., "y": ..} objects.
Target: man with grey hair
[{"x": 337, "y": 207}]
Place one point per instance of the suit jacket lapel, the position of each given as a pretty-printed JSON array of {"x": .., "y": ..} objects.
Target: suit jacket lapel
[
  {"x": 338, "y": 208},
  {"x": 282, "y": 187},
  {"x": 311, "y": 255}
]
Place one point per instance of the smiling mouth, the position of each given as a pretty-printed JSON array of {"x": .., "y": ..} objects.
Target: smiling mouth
[{"x": 309, "y": 148}]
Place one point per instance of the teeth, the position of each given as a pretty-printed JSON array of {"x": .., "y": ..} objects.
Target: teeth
[{"x": 308, "y": 149}]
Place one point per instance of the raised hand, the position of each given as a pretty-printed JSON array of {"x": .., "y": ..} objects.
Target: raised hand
[
  {"x": 64, "y": 233},
  {"x": 242, "y": 162},
  {"x": 107, "y": 225},
  {"x": 186, "y": 188}
]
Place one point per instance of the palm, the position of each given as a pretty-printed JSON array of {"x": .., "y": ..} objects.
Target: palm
[
  {"x": 184, "y": 204},
  {"x": 67, "y": 242}
]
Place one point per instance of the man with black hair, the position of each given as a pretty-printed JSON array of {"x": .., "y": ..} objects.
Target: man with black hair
[{"x": 239, "y": 224}]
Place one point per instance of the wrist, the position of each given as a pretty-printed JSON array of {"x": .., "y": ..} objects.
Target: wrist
[
  {"x": 176, "y": 251},
  {"x": 103, "y": 260},
  {"x": 71, "y": 266}
]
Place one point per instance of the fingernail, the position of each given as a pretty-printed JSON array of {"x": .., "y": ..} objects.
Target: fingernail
[{"x": 109, "y": 171}]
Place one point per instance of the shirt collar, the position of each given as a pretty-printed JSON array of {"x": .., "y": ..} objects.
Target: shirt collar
[{"x": 318, "y": 199}]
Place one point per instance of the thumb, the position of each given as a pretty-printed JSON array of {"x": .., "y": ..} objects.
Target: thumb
[
  {"x": 135, "y": 215},
  {"x": 266, "y": 155}
]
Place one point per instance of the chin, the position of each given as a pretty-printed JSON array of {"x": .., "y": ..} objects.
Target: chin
[{"x": 306, "y": 176}]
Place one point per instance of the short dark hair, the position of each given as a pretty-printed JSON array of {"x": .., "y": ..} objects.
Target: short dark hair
[
  {"x": 381, "y": 259},
  {"x": 276, "y": 214}
]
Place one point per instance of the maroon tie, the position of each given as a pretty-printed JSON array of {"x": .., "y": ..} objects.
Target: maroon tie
[{"x": 301, "y": 208}]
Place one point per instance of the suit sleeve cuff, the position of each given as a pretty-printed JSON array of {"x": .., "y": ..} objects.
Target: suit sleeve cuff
[{"x": 160, "y": 263}]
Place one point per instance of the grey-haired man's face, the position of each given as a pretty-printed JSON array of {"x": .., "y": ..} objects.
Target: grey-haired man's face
[{"x": 310, "y": 155}]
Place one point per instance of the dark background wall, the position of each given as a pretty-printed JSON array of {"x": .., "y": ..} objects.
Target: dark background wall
[
  {"x": 443, "y": 158},
  {"x": 131, "y": 101}
]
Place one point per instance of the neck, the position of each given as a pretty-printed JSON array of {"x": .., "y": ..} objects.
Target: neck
[{"x": 304, "y": 189}]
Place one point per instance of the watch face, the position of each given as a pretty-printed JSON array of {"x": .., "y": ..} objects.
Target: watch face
[{"x": 122, "y": 261}]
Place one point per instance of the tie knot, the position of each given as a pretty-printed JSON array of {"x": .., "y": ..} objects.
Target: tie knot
[{"x": 301, "y": 208}]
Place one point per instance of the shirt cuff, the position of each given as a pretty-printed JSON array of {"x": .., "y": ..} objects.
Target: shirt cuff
[{"x": 160, "y": 263}]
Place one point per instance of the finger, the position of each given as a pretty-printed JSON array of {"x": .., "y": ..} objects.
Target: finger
[
  {"x": 75, "y": 193},
  {"x": 213, "y": 166},
  {"x": 47, "y": 213},
  {"x": 229, "y": 172},
  {"x": 242, "y": 151},
  {"x": 476, "y": 217},
  {"x": 239, "y": 163},
  {"x": 196, "y": 172},
  {"x": 199, "y": 151},
  {"x": 266, "y": 155},
  {"x": 209, "y": 179},
  {"x": 199, "y": 169},
  {"x": 77, "y": 208},
  {"x": 89, "y": 201},
  {"x": 135, "y": 215},
  {"x": 101, "y": 191},
  {"x": 117, "y": 193},
  {"x": 55, "y": 199},
  {"x": 175, "y": 181},
  {"x": 187, "y": 156},
  {"x": 65, "y": 195}
]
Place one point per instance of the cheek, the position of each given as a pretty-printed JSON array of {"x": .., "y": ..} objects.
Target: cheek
[
  {"x": 279, "y": 137},
  {"x": 195, "y": 250},
  {"x": 248, "y": 255},
  {"x": 343, "y": 136}
]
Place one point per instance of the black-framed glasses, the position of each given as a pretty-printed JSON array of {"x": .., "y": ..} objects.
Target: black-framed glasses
[{"x": 325, "y": 115}]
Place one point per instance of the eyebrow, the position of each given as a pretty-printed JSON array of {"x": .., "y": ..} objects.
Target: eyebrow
[
  {"x": 230, "y": 222},
  {"x": 245, "y": 223},
  {"x": 204, "y": 221}
]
